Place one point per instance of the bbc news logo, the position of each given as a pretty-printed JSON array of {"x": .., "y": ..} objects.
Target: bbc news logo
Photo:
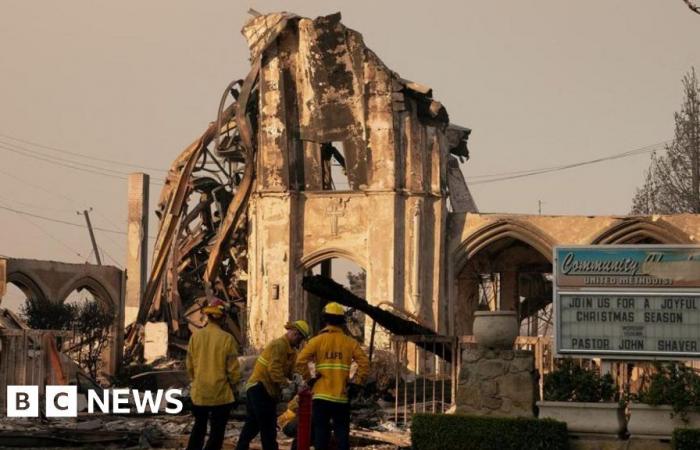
[{"x": 62, "y": 401}]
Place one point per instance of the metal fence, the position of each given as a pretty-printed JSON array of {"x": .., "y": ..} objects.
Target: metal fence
[{"x": 427, "y": 370}]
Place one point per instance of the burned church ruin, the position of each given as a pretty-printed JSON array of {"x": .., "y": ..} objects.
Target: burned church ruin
[{"x": 323, "y": 152}]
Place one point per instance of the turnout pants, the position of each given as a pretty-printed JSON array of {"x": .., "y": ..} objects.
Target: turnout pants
[
  {"x": 324, "y": 415},
  {"x": 261, "y": 418},
  {"x": 216, "y": 416}
]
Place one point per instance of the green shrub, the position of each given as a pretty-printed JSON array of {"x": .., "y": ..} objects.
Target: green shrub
[
  {"x": 672, "y": 384},
  {"x": 43, "y": 314},
  {"x": 686, "y": 439},
  {"x": 462, "y": 432},
  {"x": 570, "y": 382}
]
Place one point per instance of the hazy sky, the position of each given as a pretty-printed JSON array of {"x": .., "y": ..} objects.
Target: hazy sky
[{"x": 541, "y": 83}]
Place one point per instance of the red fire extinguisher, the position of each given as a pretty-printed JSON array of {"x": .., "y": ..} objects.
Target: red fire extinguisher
[{"x": 304, "y": 424}]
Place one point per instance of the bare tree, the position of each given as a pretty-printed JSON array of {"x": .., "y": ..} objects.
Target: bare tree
[
  {"x": 693, "y": 7},
  {"x": 672, "y": 183}
]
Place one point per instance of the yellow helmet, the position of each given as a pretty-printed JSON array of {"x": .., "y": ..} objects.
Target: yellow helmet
[
  {"x": 215, "y": 308},
  {"x": 333, "y": 309},
  {"x": 301, "y": 326}
]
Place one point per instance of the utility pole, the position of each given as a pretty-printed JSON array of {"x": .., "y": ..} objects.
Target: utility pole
[
  {"x": 92, "y": 235},
  {"x": 539, "y": 207}
]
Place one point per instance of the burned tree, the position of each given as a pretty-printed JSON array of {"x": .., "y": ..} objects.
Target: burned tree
[{"x": 672, "y": 183}]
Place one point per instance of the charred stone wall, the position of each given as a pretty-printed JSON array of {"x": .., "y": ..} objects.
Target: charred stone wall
[{"x": 327, "y": 100}]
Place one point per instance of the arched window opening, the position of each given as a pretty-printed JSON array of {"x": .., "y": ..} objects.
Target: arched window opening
[
  {"x": 350, "y": 275},
  {"x": 14, "y": 299}
]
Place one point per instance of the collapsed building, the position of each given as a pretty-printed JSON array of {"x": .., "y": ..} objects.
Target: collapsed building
[
  {"x": 320, "y": 152},
  {"x": 323, "y": 152},
  {"x": 254, "y": 203}
]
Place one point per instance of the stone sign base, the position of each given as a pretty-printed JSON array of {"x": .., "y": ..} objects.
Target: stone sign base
[{"x": 497, "y": 383}]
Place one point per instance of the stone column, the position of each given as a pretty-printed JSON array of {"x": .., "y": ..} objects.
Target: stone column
[
  {"x": 466, "y": 303},
  {"x": 137, "y": 244},
  {"x": 271, "y": 267},
  {"x": 382, "y": 260}
]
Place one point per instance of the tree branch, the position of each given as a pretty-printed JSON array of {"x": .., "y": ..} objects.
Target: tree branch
[{"x": 693, "y": 7}]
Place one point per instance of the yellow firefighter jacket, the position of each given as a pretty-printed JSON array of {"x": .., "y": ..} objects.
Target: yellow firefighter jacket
[
  {"x": 212, "y": 366},
  {"x": 332, "y": 352},
  {"x": 274, "y": 366}
]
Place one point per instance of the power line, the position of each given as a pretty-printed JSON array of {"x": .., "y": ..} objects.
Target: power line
[
  {"x": 65, "y": 245},
  {"x": 107, "y": 218},
  {"x": 646, "y": 149},
  {"x": 39, "y": 187},
  {"x": 70, "y": 164},
  {"x": 48, "y": 234},
  {"x": 52, "y": 219},
  {"x": 36, "y": 206},
  {"x": 111, "y": 257},
  {"x": 503, "y": 176},
  {"x": 63, "y": 222},
  {"x": 53, "y": 192},
  {"x": 109, "y": 238},
  {"x": 58, "y": 158},
  {"x": 82, "y": 155}
]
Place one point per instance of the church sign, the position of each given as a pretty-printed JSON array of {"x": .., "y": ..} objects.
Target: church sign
[{"x": 625, "y": 301}]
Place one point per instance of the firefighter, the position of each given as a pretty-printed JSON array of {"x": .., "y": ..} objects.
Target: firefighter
[
  {"x": 212, "y": 366},
  {"x": 273, "y": 369},
  {"x": 333, "y": 352}
]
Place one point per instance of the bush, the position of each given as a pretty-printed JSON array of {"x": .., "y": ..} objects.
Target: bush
[
  {"x": 43, "y": 314},
  {"x": 570, "y": 382},
  {"x": 685, "y": 439},
  {"x": 462, "y": 432},
  {"x": 672, "y": 384},
  {"x": 89, "y": 320}
]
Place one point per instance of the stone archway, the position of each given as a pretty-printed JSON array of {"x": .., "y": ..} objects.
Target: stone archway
[
  {"x": 641, "y": 230},
  {"x": 503, "y": 265},
  {"x": 26, "y": 284},
  {"x": 94, "y": 287},
  {"x": 331, "y": 262},
  {"x": 108, "y": 306},
  {"x": 500, "y": 229},
  {"x": 55, "y": 281}
]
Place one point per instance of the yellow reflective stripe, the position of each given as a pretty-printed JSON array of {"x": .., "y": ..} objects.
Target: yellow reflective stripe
[
  {"x": 330, "y": 398},
  {"x": 333, "y": 366},
  {"x": 262, "y": 361}
]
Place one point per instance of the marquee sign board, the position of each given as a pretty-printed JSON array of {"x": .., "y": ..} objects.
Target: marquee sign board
[{"x": 640, "y": 302}]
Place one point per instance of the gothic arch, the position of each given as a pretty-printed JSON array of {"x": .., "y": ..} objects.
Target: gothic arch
[
  {"x": 27, "y": 285},
  {"x": 637, "y": 229},
  {"x": 321, "y": 255},
  {"x": 501, "y": 229},
  {"x": 94, "y": 287}
]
